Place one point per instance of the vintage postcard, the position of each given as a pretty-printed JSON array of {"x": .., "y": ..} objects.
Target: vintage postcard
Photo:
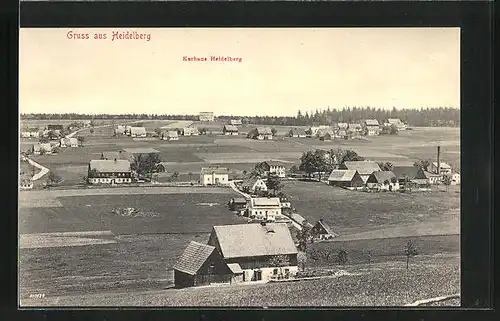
[{"x": 239, "y": 167}]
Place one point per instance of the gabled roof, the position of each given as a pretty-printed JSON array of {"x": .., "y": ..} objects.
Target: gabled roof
[
  {"x": 141, "y": 150},
  {"x": 110, "y": 166},
  {"x": 264, "y": 201},
  {"x": 394, "y": 121},
  {"x": 235, "y": 268},
  {"x": 355, "y": 126},
  {"x": 297, "y": 218},
  {"x": 371, "y": 122},
  {"x": 298, "y": 131},
  {"x": 363, "y": 167},
  {"x": 381, "y": 176},
  {"x": 250, "y": 182},
  {"x": 138, "y": 130},
  {"x": 342, "y": 125},
  {"x": 411, "y": 172},
  {"x": 230, "y": 128},
  {"x": 215, "y": 170},
  {"x": 324, "y": 131},
  {"x": 193, "y": 257},
  {"x": 250, "y": 240},
  {"x": 326, "y": 227},
  {"x": 442, "y": 165},
  {"x": 339, "y": 175},
  {"x": 264, "y": 131},
  {"x": 110, "y": 155}
]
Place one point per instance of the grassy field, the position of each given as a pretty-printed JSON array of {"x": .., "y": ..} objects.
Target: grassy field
[{"x": 381, "y": 284}]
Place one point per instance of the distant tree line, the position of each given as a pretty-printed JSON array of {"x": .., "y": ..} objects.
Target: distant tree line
[{"x": 424, "y": 117}]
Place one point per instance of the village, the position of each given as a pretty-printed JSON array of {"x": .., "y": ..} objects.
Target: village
[{"x": 279, "y": 233}]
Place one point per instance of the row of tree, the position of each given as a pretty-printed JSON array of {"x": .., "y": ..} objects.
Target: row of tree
[{"x": 426, "y": 117}]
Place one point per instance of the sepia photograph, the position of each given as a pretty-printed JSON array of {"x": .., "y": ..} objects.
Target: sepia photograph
[{"x": 239, "y": 167}]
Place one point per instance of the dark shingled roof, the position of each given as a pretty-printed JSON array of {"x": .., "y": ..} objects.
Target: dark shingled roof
[
  {"x": 381, "y": 176},
  {"x": 363, "y": 167},
  {"x": 327, "y": 228},
  {"x": 193, "y": 257},
  {"x": 230, "y": 128},
  {"x": 411, "y": 172},
  {"x": 264, "y": 131}
]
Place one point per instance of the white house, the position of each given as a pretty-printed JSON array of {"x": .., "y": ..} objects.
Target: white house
[
  {"x": 372, "y": 127},
  {"x": 190, "y": 131},
  {"x": 69, "y": 142},
  {"x": 206, "y": 116},
  {"x": 214, "y": 176},
  {"x": 230, "y": 130},
  {"x": 253, "y": 185},
  {"x": 42, "y": 148},
  {"x": 445, "y": 168},
  {"x": 30, "y": 133},
  {"x": 262, "y": 133},
  {"x": 138, "y": 132},
  {"x": 263, "y": 208},
  {"x": 397, "y": 122},
  {"x": 120, "y": 130},
  {"x": 170, "y": 135},
  {"x": 103, "y": 171},
  {"x": 276, "y": 168},
  {"x": 455, "y": 179}
]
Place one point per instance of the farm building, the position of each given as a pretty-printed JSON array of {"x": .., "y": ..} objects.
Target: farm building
[
  {"x": 254, "y": 185},
  {"x": 300, "y": 220},
  {"x": 111, "y": 155},
  {"x": 237, "y": 204},
  {"x": 120, "y": 130},
  {"x": 445, "y": 168},
  {"x": 30, "y": 133},
  {"x": 325, "y": 135},
  {"x": 364, "y": 168},
  {"x": 345, "y": 178},
  {"x": 313, "y": 131},
  {"x": 455, "y": 179},
  {"x": 138, "y": 132},
  {"x": 206, "y": 116},
  {"x": 342, "y": 126},
  {"x": 297, "y": 132},
  {"x": 109, "y": 171},
  {"x": 275, "y": 168},
  {"x": 201, "y": 264},
  {"x": 230, "y": 130},
  {"x": 25, "y": 182},
  {"x": 190, "y": 131},
  {"x": 371, "y": 127},
  {"x": 261, "y": 251},
  {"x": 396, "y": 122},
  {"x": 410, "y": 173},
  {"x": 432, "y": 177},
  {"x": 383, "y": 180},
  {"x": 263, "y": 208},
  {"x": 261, "y": 133},
  {"x": 235, "y": 122},
  {"x": 214, "y": 176},
  {"x": 170, "y": 135},
  {"x": 55, "y": 127},
  {"x": 69, "y": 142},
  {"x": 322, "y": 231},
  {"x": 355, "y": 129},
  {"x": 131, "y": 154},
  {"x": 42, "y": 148},
  {"x": 342, "y": 133}
]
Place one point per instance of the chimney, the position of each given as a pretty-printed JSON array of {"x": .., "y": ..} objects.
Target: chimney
[{"x": 439, "y": 160}]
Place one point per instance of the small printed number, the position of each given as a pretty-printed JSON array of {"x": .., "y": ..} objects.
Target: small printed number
[{"x": 37, "y": 296}]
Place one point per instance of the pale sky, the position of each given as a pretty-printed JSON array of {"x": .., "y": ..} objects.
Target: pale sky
[{"x": 282, "y": 70}]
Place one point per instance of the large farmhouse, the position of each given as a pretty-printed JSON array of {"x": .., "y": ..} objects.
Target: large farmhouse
[
  {"x": 397, "y": 122},
  {"x": 138, "y": 132},
  {"x": 261, "y": 133},
  {"x": 214, "y": 176},
  {"x": 364, "y": 168},
  {"x": 132, "y": 154},
  {"x": 230, "y": 256},
  {"x": 206, "y": 116},
  {"x": 410, "y": 174},
  {"x": 383, "y": 180},
  {"x": 102, "y": 171},
  {"x": 445, "y": 168},
  {"x": 170, "y": 135},
  {"x": 371, "y": 127},
  {"x": 345, "y": 178},
  {"x": 275, "y": 168},
  {"x": 263, "y": 208},
  {"x": 297, "y": 132},
  {"x": 190, "y": 131},
  {"x": 229, "y": 130}
]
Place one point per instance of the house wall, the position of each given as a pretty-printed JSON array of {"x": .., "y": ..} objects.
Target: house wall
[
  {"x": 381, "y": 186},
  {"x": 211, "y": 179},
  {"x": 109, "y": 180},
  {"x": 264, "y": 212},
  {"x": 183, "y": 280},
  {"x": 250, "y": 264},
  {"x": 259, "y": 185},
  {"x": 278, "y": 170}
]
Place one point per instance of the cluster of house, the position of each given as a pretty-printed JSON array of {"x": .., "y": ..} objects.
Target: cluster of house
[
  {"x": 241, "y": 253},
  {"x": 53, "y": 132},
  {"x": 167, "y": 134},
  {"x": 48, "y": 148},
  {"x": 114, "y": 167},
  {"x": 360, "y": 174}
]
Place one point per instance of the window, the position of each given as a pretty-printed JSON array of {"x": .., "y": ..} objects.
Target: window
[
  {"x": 211, "y": 268},
  {"x": 275, "y": 271}
]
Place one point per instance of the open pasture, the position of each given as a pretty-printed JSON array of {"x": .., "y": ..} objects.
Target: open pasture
[{"x": 350, "y": 212}]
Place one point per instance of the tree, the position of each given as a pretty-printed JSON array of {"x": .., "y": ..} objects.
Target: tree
[
  {"x": 294, "y": 169},
  {"x": 52, "y": 135},
  {"x": 410, "y": 250},
  {"x": 91, "y": 130},
  {"x": 352, "y": 156},
  {"x": 386, "y": 182},
  {"x": 147, "y": 165},
  {"x": 302, "y": 260},
  {"x": 53, "y": 178},
  {"x": 260, "y": 170},
  {"x": 175, "y": 175},
  {"x": 203, "y": 131},
  {"x": 158, "y": 131},
  {"x": 44, "y": 140},
  {"x": 342, "y": 257},
  {"x": 56, "y": 150},
  {"x": 274, "y": 183},
  {"x": 393, "y": 130},
  {"x": 274, "y": 131},
  {"x": 304, "y": 237},
  {"x": 447, "y": 181},
  {"x": 279, "y": 261},
  {"x": 385, "y": 166},
  {"x": 422, "y": 163}
]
